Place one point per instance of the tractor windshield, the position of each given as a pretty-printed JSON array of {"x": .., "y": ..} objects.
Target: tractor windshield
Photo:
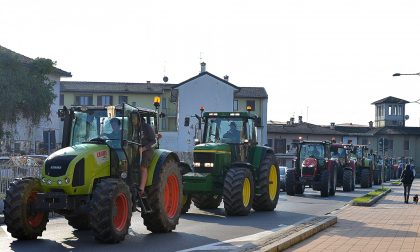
[
  {"x": 94, "y": 124},
  {"x": 338, "y": 152},
  {"x": 311, "y": 150},
  {"x": 225, "y": 130}
]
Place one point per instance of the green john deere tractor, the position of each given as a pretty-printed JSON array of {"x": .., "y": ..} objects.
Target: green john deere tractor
[
  {"x": 365, "y": 166},
  {"x": 93, "y": 181},
  {"x": 229, "y": 165}
]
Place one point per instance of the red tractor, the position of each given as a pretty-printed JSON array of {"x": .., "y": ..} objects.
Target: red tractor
[
  {"x": 313, "y": 167},
  {"x": 346, "y": 170}
]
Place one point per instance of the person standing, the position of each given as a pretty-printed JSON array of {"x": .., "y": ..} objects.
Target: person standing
[
  {"x": 147, "y": 141},
  {"x": 407, "y": 178}
]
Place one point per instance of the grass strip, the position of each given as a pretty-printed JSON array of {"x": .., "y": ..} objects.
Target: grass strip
[
  {"x": 396, "y": 183},
  {"x": 368, "y": 197}
]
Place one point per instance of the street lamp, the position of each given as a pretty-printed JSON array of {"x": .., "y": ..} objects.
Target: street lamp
[{"x": 399, "y": 74}]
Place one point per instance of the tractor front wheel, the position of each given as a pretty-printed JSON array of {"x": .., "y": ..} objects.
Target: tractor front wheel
[
  {"x": 23, "y": 223},
  {"x": 238, "y": 191},
  {"x": 111, "y": 207},
  {"x": 348, "y": 180},
  {"x": 186, "y": 203},
  {"x": 269, "y": 184},
  {"x": 206, "y": 201},
  {"x": 365, "y": 179},
  {"x": 290, "y": 182},
  {"x": 164, "y": 197},
  {"x": 325, "y": 183}
]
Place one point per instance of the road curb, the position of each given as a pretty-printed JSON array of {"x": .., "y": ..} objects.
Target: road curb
[
  {"x": 372, "y": 201},
  {"x": 291, "y": 235}
]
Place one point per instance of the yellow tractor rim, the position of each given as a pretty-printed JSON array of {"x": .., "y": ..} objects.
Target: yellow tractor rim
[
  {"x": 272, "y": 182},
  {"x": 184, "y": 199},
  {"x": 246, "y": 192}
]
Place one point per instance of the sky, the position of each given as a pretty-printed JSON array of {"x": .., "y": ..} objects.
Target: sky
[{"x": 326, "y": 60}]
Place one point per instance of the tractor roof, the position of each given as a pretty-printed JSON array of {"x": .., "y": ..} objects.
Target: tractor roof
[
  {"x": 314, "y": 142},
  {"x": 229, "y": 114},
  {"x": 117, "y": 107}
]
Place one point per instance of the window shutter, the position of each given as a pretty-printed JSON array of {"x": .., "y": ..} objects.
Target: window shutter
[
  {"x": 77, "y": 100},
  {"x": 90, "y": 100},
  {"x": 99, "y": 100},
  {"x": 110, "y": 100}
]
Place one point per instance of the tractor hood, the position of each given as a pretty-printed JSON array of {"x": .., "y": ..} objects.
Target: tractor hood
[
  {"x": 222, "y": 147},
  {"x": 309, "y": 162}
]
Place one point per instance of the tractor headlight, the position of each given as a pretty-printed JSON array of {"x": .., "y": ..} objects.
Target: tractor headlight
[
  {"x": 44, "y": 180},
  {"x": 59, "y": 182},
  {"x": 49, "y": 182},
  {"x": 67, "y": 180},
  {"x": 123, "y": 175},
  {"x": 196, "y": 164},
  {"x": 208, "y": 164}
]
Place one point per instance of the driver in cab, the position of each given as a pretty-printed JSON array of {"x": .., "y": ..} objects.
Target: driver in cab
[{"x": 232, "y": 134}]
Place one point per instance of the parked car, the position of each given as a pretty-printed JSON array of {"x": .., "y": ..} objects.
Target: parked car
[{"x": 283, "y": 177}]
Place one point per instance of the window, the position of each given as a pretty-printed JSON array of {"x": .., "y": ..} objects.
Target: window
[
  {"x": 104, "y": 100},
  {"x": 270, "y": 142},
  {"x": 251, "y": 103},
  {"x": 164, "y": 124},
  {"x": 84, "y": 100},
  {"x": 61, "y": 101},
  {"x": 400, "y": 110},
  {"x": 406, "y": 144},
  {"x": 163, "y": 105},
  {"x": 133, "y": 104},
  {"x": 389, "y": 110},
  {"x": 235, "y": 105},
  {"x": 122, "y": 99}
]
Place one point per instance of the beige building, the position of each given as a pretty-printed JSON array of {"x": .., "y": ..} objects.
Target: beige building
[{"x": 390, "y": 137}]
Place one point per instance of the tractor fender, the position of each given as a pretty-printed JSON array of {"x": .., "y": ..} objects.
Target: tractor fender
[
  {"x": 185, "y": 168},
  {"x": 259, "y": 154},
  {"x": 158, "y": 159}
]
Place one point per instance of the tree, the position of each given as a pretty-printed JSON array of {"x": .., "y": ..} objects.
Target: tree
[{"x": 26, "y": 91}]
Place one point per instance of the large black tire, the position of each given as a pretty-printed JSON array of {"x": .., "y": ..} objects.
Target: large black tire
[
  {"x": 300, "y": 188},
  {"x": 111, "y": 210},
  {"x": 268, "y": 183},
  {"x": 377, "y": 177},
  {"x": 291, "y": 182},
  {"x": 21, "y": 223},
  {"x": 325, "y": 183},
  {"x": 333, "y": 181},
  {"x": 238, "y": 191},
  {"x": 186, "y": 203},
  {"x": 79, "y": 222},
  {"x": 164, "y": 197},
  {"x": 365, "y": 180},
  {"x": 348, "y": 181},
  {"x": 206, "y": 201}
]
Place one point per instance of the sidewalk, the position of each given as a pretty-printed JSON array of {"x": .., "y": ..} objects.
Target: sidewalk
[{"x": 389, "y": 225}]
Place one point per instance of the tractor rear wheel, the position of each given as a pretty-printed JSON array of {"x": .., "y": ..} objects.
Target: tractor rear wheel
[
  {"x": 164, "y": 197},
  {"x": 238, "y": 191},
  {"x": 269, "y": 185},
  {"x": 79, "y": 222},
  {"x": 111, "y": 207},
  {"x": 325, "y": 183},
  {"x": 333, "y": 182},
  {"x": 206, "y": 201},
  {"x": 22, "y": 223},
  {"x": 290, "y": 182},
  {"x": 348, "y": 180}
]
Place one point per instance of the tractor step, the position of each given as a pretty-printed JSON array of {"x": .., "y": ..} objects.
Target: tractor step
[{"x": 143, "y": 204}]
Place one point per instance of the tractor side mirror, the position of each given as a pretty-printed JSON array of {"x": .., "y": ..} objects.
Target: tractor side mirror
[
  {"x": 187, "y": 121},
  {"x": 258, "y": 122},
  {"x": 162, "y": 115}
]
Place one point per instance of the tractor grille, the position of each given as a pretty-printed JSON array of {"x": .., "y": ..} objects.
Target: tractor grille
[
  {"x": 202, "y": 158},
  {"x": 308, "y": 171},
  {"x": 57, "y": 166},
  {"x": 79, "y": 173}
]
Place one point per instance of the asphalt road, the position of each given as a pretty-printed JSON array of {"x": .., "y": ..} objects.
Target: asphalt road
[{"x": 197, "y": 230}]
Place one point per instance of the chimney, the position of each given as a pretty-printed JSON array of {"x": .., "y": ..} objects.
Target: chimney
[
  {"x": 371, "y": 124},
  {"x": 292, "y": 120},
  {"x": 300, "y": 119},
  {"x": 226, "y": 77},
  {"x": 332, "y": 125},
  {"x": 148, "y": 82},
  {"x": 203, "y": 67}
]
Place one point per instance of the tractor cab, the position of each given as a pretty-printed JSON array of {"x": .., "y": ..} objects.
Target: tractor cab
[{"x": 313, "y": 156}]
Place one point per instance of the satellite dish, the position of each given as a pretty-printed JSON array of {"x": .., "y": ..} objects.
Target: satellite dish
[
  {"x": 165, "y": 79},
  {"x": 407, "y": 117}
]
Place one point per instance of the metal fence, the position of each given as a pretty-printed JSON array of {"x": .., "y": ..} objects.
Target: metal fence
[{"x": 11, "y": 169}]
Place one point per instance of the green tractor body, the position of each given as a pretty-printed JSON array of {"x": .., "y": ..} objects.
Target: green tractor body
[
  {"x": 230, "y": 165},
  {"x": 365, "y": 166},
  {"x": 93, "y": 180}
]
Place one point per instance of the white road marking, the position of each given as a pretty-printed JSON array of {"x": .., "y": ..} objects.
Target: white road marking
[
  {"x": 234, "y": 243},
  {"x": 4, "y": 227}
]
